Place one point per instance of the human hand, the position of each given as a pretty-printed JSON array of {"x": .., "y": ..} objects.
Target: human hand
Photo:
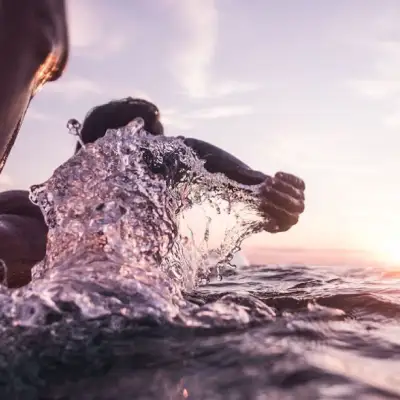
[{"x": 282, "y": 201}]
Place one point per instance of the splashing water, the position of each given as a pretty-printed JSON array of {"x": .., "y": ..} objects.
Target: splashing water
[{"x": 115, "y": 243}]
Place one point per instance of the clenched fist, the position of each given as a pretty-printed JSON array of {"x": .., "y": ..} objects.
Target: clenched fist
[{"x": 282, "y": 201}]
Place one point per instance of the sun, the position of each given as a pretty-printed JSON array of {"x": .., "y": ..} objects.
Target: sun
[{"x": 389, "y": 253}]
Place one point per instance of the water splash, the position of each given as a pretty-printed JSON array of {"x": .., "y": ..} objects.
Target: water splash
[{"x": 115, "y": 243}]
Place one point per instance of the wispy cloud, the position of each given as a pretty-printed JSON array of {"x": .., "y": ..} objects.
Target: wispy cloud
[
  {"x": 5, "y": 181},
  {"x": 174, "y": 118},
  {"x": 84, "y": 27},
  {"x": 383, "y": 83},
  {"x": 74, "y": 87},
  {"x": 90, "y": 34},
  {"x": 194, "y": 52},
  {"x": 392, "y": 120},
  {"x": 233, "y": 87},
  {"x": 221, "y": 112},
  {"x": 376, "y": 89},
  {"x": 39, "y": 116},
  {"x": 187, "y": 120}
]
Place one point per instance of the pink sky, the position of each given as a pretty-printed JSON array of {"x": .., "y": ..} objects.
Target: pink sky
[
  {"x": 311, "y": 88},
  {"x": 334, "y": 257}
]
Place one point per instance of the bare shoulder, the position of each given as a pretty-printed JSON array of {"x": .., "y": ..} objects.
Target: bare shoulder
[{"x": 16, "y": 202}]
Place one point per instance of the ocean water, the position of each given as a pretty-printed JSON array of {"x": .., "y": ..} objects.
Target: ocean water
[
  {"x": 336, "y": 335},
  {"x": 129, "y": 305}
]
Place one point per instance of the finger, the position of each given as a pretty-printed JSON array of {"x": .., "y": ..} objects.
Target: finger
[
  {"x": 278, "y": 228},
  {"x": 282, "y": 200},
  {"x": 268, "y": 181},
  {"x": 284, "y": 187},
  {"x": 292, "y": 180},
  {"x": 283, "y": 218},
  {"x": 274, "y": 228},
  {"x": 271, "y": 226}
]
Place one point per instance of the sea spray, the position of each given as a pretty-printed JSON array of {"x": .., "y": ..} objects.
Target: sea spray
[
  {"x": 129, "y": 184},
  {"x": 115, "y": 243}
]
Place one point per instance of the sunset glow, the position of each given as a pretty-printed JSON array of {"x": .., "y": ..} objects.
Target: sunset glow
[
  {"x": 318, "y": 97},
  {"x": 389, "y": 253}
]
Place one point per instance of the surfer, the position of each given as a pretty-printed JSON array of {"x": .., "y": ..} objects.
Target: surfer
[{"x": 34, "y": 50}]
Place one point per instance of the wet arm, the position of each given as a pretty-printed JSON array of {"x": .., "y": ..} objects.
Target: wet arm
[{"x": 218, "y": 160}]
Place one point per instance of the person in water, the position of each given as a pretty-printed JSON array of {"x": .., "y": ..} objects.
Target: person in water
[
  {"x": 34, "y": 50},
  {"x": 22, "y": 227}
]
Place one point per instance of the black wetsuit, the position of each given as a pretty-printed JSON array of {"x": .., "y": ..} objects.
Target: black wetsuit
[{"x": 218, "y": 160}]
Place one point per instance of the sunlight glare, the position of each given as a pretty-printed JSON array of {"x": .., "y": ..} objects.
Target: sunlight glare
[{"x": 390, "y": 253}]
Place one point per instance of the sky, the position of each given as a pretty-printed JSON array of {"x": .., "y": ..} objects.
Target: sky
[{"x": 308, "y": 87}]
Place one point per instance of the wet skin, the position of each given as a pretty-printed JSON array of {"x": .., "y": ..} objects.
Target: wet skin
[{"x": 33, "y": 51}]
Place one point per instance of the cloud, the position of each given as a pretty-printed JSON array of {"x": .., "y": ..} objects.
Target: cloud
[
  {"x": 383, "y": 86},
  {"x": 90, "y": 32},
  {"x": 174, "y": 118},
  {"x": 233, "y": 87},
  {"x": 186, "y": 120},
  {"x": 194, "y": 52},
  {"x": 74, "y": 87},
  {"x": 221, "y": 112},
  {"x": 84, "y": 24},
  {"x": 5, "y": 181},
  {"x": 198, "y": 20},
  {"x": 35, "y": 115},
  {"x": 384, "y": 80},
  {"x": 383, "y": 83},
  {"x": 392, "y": 120},
  {"x": 377, "y": 89}
]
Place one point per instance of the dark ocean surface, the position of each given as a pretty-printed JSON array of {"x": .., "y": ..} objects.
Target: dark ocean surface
[
  {"x": 336, "y": 335},
  {"x": 118, "y": 309}
]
